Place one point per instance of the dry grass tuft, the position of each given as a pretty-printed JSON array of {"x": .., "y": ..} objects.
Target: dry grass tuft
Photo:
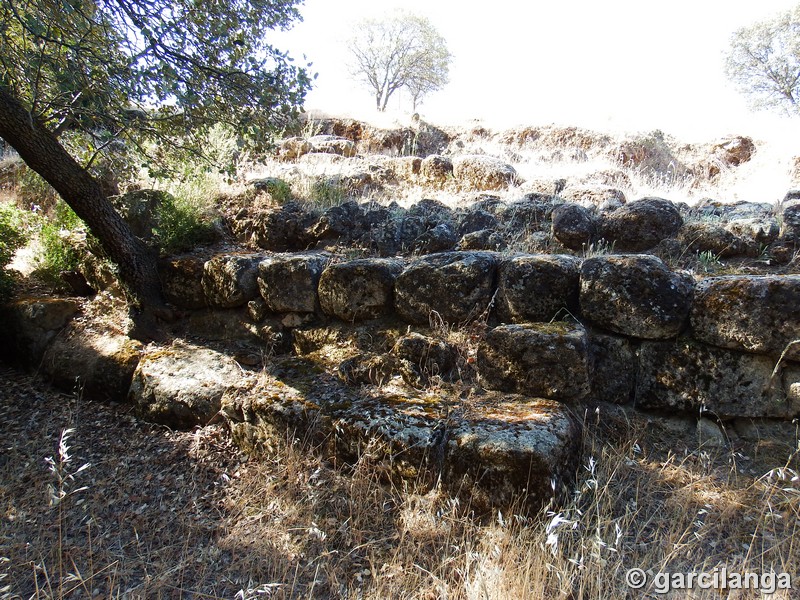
[{"x": 162, "y": 514}]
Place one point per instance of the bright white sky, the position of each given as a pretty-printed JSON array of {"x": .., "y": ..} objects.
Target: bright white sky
[{"x": 604, "y": 64}]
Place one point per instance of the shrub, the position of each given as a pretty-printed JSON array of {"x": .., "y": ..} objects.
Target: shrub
[
  {"x": 12, "y": 237},
  {"x": 182, "y": 224},
  {"x": 58, "y": 244}
]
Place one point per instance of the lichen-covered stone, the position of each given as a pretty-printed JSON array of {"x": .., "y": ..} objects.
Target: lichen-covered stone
[
  {"x": 635, "y": 295},
  {"x": 573, "y": 225},
  {"x": 685, "y": 375},
  {"x": 98, "y": 365},
  {"x": 537, "y": 287},
  {"x": 436, "y": 170},
  {"x": 288, "y": 283},
  {"x": 428, "y": 356},
  {"x": 753, "y": 313},
  {"x": 182, "y": 386},
  {"x": 359, "y": 289},
  {"x": 641, "y": 224},
  {"x": 481, "y": 172},
  {"x": 331, "y": 144},
  {"x": 28, "y": 325},
  {"x": 544, "y": 360},
  {"x": 229, "y": 280},
  {"x": 711, "y": 237},
  {"x": 182, "y": 281},
  {"x": 453, "y": 286},
  {"x": 602, "y": 198},
  {"x": 507, "y": 448},
  {"x": 613, "y": 365}
]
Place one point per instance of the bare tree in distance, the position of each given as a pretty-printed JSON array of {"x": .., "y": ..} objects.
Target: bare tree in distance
[
  {"x": 399, "y": 51},
  {"x": 764, "y": 61}
]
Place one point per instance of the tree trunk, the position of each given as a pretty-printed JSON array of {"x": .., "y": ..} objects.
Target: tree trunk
[{"x": 43, "y": 153}]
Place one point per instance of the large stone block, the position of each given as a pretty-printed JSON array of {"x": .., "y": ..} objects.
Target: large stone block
[
  {"x": 229, "y": 280},
  {"x": 182, "y": 386},
  {"x": 636, "y": 295},
  {"x": 182, "y": 281},
  {"x": 686, "y": 375},
  {"x": 537, "y": 287},
  {"x": 288, "y": 283},
  {"x": 359, "y": 289},
  {"x": 545, "y": 360},
  {"x": 640, "y": 225},
  {"x": 453, "y": 286},
  {"x": 758, "y": 314},
  {"x": 28, "y": 325},
  {"x": 613, "y": 365}
]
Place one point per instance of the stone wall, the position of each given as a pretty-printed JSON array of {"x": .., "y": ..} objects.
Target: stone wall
[{"x": 620, "y": 328}]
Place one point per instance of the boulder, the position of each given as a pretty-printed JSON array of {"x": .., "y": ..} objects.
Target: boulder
[
  {"x": 229, "y": 280},
  {"x": 711, "y": 237},
  {"x": 480, "y": 172},
  {"x": 733, "y": 151},
  {"x": 279, "y": 229},
  {"x": 484, "y": 239},
  {"x": 756, "y": 232},
  {"x": 573, "y": 225},
  {"x": 685, "y": 375},
  {"x": 436, "y": 170},
  {"x": 635, "y": 295},
  {"x": 544, "y": 360},
  {"x": 440, "y": 238},
  {"x": 359, "y": 289},
  {"x": 28, "y": 325},
  {"x": 331, "y": 144},
  {"x": 288, "y": 283},
  {"x": 476, "y": 219},
  {"x": 343, "y": 221},
  {"x": 602, "y": 198},
  {"x": 293, "y": 148},
  {"x": 758, "y": 314},
  {"x": 537, "y": 287},
  {"x": 641, "y": 224},
  {"x": 455, "y": 287},
  {"x": 182, "y": 281},
  {"x": 97, "y": 365},
  {"x": 406, "y": 168},
  {"x": 182, "y": 385}
]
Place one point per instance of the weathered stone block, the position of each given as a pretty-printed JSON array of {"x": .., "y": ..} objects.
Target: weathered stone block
[
  {"x": 758, "y": 314},
  {"x": 613, "y": 365},
  {"x": 456, "y": 286},
  {"x": 640, "y": 225},
  {"x": 182, "y": 386},
  {"x": 537, "y": 287},
  {"x": 685, "y": 375},
  {"x": 182, "y": 281},
  {"x": 359, "y": 289},
  {"x": 288, "y": 283},
  {"x": 545, "y": 360},
  {"x": 229, "y": 280},
  {"x": 635, "y": 295}
]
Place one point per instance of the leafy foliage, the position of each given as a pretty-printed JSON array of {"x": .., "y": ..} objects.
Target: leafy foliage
[
  {"x": 182, "y": 225},
  {"x": 110, "y": 70},
  {"x": 58, "y": 248},
  {"x": 402, "y": 50},
  {"x": 12, "y": 237},
  {"x": 764, "y": 61}
]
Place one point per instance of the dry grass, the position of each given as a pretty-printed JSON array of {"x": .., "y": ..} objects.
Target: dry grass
[{"x": 162, "y": 514}]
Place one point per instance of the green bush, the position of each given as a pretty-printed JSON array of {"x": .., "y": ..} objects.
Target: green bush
[
  {"x": 58, "y": 248},
  {"x": 12, "y": 237},
  {"x": 182, "y": 224}
]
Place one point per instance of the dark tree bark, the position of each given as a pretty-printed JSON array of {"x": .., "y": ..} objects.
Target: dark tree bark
[{"x": 43, "y": 153}]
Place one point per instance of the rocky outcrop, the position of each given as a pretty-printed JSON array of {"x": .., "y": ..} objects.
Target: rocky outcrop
[{"x": 635, "y": 295}]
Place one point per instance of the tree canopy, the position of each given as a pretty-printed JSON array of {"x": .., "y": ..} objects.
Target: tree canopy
[
  {"x": 764, "y": 61},
  {"x": 76, "y": 76},
  {"x": 400, "y": 51}
]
